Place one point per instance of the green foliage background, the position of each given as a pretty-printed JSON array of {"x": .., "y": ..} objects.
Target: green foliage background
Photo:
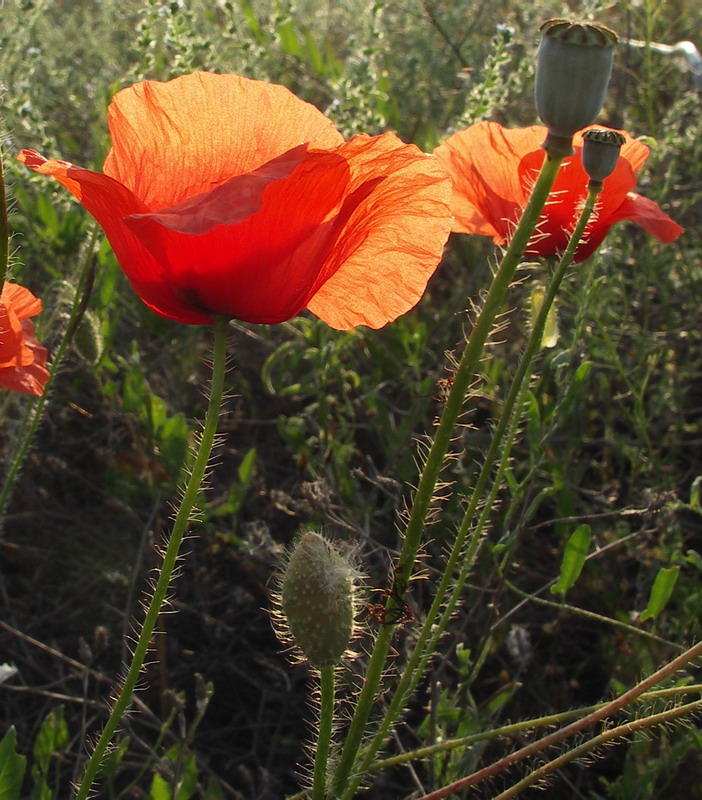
[{"x": 321, "y": 423}]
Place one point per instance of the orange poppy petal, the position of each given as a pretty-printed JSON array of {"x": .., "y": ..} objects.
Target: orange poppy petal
[
  {"x": 649, "y": 216},
  {"x": 11, "y": 339},
  {"x": 482, "y": 162},
  {"x": 110, "y": 202},
  {"x": 16, "y": 304},
  {"x": 31, "y": 378},
  {"x": 260, "y": 265},
  {"x": 23, "y": 302},
  {"x": 393, "y": 239},
  {"x": 175, "y": 140}
]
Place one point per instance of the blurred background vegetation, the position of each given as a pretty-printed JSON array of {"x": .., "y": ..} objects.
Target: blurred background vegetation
[{"x": 320, "y": 425}]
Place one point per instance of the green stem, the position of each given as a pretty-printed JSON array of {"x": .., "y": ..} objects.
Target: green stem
[
  {"x": 514, "y": 729},
  {"x": 620, "y": 732},
  {"x": 602, "y": 713},
  {"x": 326, "y": 722},
  {"x": 4, "y": 227},
  {"x": 35, "y": 410},
  {"x": 170, "y": 559},
  {"x": 583, "y": 612},
  {"x": 463, "y": 377},
  {"x": 431, "y": 631}
]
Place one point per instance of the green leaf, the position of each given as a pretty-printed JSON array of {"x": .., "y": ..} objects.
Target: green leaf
[
  {"x": 289, "y": 43},
  {"x": 160, "y": 790},
  {"x": 550, "y": 333},
  {"x": 246, "y": 467},
  {"x": 694, "y": 558},
  {"x": 695, "y": 494},
  {"x": 186, "y": 782},
  {"x": 252, "y": 22},
  {"x": 213, "y": 791},
  {"x": 12, "y": 766},
  {"x": 576, "y": 387},
  {"x": 52, "y": 736},
  {"x": 661, "y": 591},
  {"x": 574, "y": 555}
]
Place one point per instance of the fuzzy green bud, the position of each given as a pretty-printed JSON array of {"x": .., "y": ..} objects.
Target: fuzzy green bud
[
  {"x": 318, "y": 599},
  {"x": 601, "y": 148},
  {"x": 88, "y": 340},
  {"x": 573, "y": 68}
]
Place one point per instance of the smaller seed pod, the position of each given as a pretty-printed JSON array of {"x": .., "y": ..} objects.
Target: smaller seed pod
[
  {"x": 87, "y": 338},
  {"x": 601, "y": 147},
  {"x": 573, "y": 68},
  {"x": 317, "y": 599}
]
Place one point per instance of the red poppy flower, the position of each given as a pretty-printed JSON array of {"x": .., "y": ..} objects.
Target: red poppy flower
[
  {"x": 493, "y": 169},
  {"x": 22, "y": 358},
  {"x": 223, "y": 195}
]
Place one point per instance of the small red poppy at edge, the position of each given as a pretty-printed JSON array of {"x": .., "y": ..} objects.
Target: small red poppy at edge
[
  {"x": 224, "y": 195},
  {"x": 493, "y": 169},
  {"x": 22, "y": 358}
]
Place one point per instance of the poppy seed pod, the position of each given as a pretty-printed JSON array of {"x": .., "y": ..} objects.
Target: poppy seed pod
[
  {"x": 601, "y": 147},
  {"x": 573, "y": 68},
  {"x": 318, "y": 599}
]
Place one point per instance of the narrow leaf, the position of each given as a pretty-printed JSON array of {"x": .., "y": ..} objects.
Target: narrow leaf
[
  {"x": 574, "y": 555},
  {"x": 661, "y": 591}
]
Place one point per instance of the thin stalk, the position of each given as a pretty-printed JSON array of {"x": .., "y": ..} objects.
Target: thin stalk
[
  {"x": 463, "y": 377},
  {"x": 508, "y": 423},
  {"x": 170, "y": 558},
  {"x": 4, "y": 227},
  {"x": 583, "y": 612},
  {"x": 326, "y": 722},
  {"x": 574, "y": 728},
  {"x": 519, "y": 728},
  {"x": 35, "y": 410},
  {"x": 620, "y": 732}
]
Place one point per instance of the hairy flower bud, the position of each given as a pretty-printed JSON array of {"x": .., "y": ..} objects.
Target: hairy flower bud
[
  {"x": 318, "y": 599},
  {"x": 601, "y": 148},
  {"x": 573, "y": 68}
]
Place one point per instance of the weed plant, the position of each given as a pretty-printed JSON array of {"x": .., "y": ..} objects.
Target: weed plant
[{"x": 587, "y": 577}]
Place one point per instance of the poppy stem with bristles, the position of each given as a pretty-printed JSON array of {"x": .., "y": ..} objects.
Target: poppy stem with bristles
[
  {"x": 4, "y": 228},
  {"x": 170, "y": 558},
  {"x": 34, "y": 411},
  {"x": 324, "y": 733},
  {"x": 463, "y": 377},
  {"x": 502, "y": 439}
]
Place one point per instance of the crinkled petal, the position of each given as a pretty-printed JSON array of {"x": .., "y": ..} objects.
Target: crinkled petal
[
  {"x": 110, "y": 202},
  {"x": 258, "y": 267},
  {"x": 12, "y": 350},
  {"x": 488, "y": 191},
  {"x": 31, "y": 378},
  {"x": 649, "y": 216},
  {"x": 16, "y": 304},
  {"x": 392, "y": 242},
  {"x": 23, "y": 302},
  {"x": 172, "y": 141}
]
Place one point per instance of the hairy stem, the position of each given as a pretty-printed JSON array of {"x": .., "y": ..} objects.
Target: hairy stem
[
  {"x": 446, "y": 598},
  {"x": 463, "y": 377},
  {"x": 326, "y": 722},
  {"x": 518, "y": 728},
  {"x": 170, "y": 558},
  {"x": 4, "y": 227},
  {"x": 574, "y": 728},
  {"x": 35, "y": 410},
  {"x": 620, "y": 732}
]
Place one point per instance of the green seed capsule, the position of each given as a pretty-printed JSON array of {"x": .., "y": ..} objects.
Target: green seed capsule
[
  {"x": 600, "y": 153},
  {"x": 318, "y": 599},
  {"x": 88, "y": 340},
  {"x": 572, "y": 74}
]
